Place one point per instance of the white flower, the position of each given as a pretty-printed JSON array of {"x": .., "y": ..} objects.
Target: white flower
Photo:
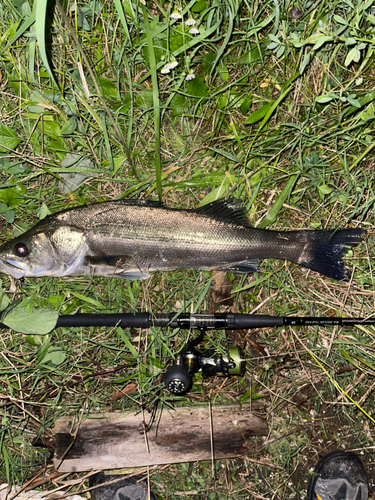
[
  {"x": 167, "y": 67},
  {"x": 176, "y": 15},
  {"x": 190, "y": 22},
  {"x": 194, "y": 31},
  {"x": 189, "y": 77}
]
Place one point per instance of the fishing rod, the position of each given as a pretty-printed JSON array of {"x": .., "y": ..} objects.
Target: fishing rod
[
  {"x": 225, "y": 321},
  {"x": 179, "y": 377}
]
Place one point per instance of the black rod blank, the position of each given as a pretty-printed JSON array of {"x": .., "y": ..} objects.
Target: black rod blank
[{"x": 229, "y": 321}]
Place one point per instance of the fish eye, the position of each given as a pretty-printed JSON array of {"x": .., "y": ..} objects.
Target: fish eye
[{"x": 21, "y": 250}]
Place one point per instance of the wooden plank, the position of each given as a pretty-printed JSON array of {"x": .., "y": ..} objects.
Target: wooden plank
[{"x": 112, "y": 441}]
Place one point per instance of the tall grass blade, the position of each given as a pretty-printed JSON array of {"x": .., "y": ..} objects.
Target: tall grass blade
[
  {"x": 121, "y": 14},
  {"x": 232, "y": 9},
  {"x": 271, "y": 216},
  {"x": 21, "y": 30},
  {"x": 156, "y": 101},
  {"x": 40, "y": 28},
  {"x": 106, "y": 140},
  {"x": 287, "y": 88}
]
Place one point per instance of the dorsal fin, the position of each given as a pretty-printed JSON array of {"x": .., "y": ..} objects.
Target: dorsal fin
[
  {"x": 226, "y": 209},
  {"x": 140, "y": 203}
]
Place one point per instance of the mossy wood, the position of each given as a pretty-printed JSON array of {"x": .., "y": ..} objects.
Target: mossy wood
[{"x": 111, "y": 440}]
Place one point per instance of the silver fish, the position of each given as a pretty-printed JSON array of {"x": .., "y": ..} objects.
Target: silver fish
[{"x": 129, "y": 239}]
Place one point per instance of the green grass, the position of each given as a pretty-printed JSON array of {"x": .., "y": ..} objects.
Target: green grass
[{"x": 279, "y": 114}]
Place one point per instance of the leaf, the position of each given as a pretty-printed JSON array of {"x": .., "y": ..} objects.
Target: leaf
[
  {"x": 321, "y": 41},
  {"x": 273, "y": 45},
  {"x": 20, "y": 228},
  {"x": 223, "y": 71},
  {"x": 258, "y": 114},
  {"x": 12, "y": 197},
  {"x": 155, "y": 366},
  {"x": 54, "y": 355},
  {"x": 89, "y": 300},
  {"x": 109, "y": 87},
  {"x": 8, "y": 139},
  {"x": 274, "y": 38},
  {"x": 43, "y": 211},
  {"x": 353, "y": 55},
  {"x": 354, "y": 102},
  {"x": 4, "y": 301},
  {"x": 340, "y": 19},
  {"x": 323, "y": 99},
  {"x": 3, "y": 208},
  {"x": 39, "y": 321},
  {"x": 305, "y": 63},
  {"x": 226, "y": 154},
  {"x": 254, "y": 55},
  {"x": 197, "y": 87},
  {"x": 69, "y": 126},
  {"x": 21, "y": 30},
  {"x": 40, "y": 9},
  {"x": 365, "y": 6},
  {"x": 324, "y": 189},
  {"x": 178, "y": 105},
  {"x": 199, "y": 6},
  {"x": 9, "y": 216},
  {"x": 128, "y": 8},
  {"x": 277, "y": 206},
  {"x": 71, "y": 181},
  {"x": 246, "y": 103},
  {"x": 315, "y": 38},
  {"x": 216, "y": 193},
  {"x": 144, "y": 99},
  {"x": 127, "y": 342},
  {"x": 51, "y": 129},
  {"x": 118, "y": 162},
  {"x": 222, "y": 289},
  {"x": 280, "y": 51}
]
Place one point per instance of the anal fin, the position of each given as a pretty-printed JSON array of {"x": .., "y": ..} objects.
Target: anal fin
[{"x": 244, "y": 267}]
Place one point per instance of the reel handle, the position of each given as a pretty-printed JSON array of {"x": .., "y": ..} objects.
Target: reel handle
[{"x": 177, "y": 379}]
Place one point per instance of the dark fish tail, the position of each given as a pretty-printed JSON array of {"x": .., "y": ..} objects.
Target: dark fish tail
[{"x": 323, "y": 251}]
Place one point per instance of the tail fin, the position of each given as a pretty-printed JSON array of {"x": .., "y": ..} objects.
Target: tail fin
[{"x": 324, "y": 250}]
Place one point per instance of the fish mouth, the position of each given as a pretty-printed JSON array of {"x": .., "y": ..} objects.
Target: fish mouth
[{"x": 12, "y": 268}]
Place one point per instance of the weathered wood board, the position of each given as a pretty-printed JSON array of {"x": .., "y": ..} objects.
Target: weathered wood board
[{"x": 112, "y": 441}]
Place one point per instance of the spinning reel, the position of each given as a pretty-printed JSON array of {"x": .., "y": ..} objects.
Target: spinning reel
[{"x": 178, "y": 378}]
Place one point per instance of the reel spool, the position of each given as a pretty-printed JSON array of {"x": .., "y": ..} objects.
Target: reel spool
[{"x": 178, "y": 378}]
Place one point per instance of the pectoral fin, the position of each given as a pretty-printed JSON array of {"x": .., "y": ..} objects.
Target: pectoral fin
[
  {"x": 115, "y": 266},
  {"x": 107, "y": 260}
]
